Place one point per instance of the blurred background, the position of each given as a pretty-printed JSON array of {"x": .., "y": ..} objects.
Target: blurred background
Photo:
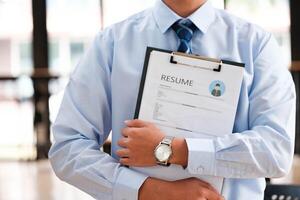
[{"x": 40, "y": 43}]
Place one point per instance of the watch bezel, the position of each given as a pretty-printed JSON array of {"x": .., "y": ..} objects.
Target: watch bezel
[
  {"x": 161, "y": 146},
  {"x": 165, "y": 142}
]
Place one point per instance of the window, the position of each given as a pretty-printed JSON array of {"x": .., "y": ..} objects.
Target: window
[
  {"x": 15, "y": 36},
  {"x": 25, "y": 56},
  {"x": 76, "y": 50},
  {"x": 16, "y": 130},
  {"x": 53, "y": 47},
  {"x": 71, "y": 24}
]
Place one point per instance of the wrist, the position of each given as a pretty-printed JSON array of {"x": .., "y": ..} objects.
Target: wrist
[{"x": 179, "y": 152}]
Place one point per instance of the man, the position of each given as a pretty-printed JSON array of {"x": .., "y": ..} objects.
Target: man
[
  {"x": 102, "y": 94},
  {"x": 217, "y": 90}
]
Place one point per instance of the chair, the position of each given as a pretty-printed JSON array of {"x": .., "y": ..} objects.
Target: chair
[{"x": 282, "y": 192}]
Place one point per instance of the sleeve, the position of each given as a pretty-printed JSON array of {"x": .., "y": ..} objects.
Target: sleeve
[
  {"x": 82, "y": 126},
  {"x": 266, "y": 149}
]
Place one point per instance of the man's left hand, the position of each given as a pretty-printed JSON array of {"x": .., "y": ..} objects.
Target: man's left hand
[{"x": 139, "y": 142}]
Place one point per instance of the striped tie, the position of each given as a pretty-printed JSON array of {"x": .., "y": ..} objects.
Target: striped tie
[{"x": 184, "y": 29}]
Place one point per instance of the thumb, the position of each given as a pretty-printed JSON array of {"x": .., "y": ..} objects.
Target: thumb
[{"x": 135, "y": 123}]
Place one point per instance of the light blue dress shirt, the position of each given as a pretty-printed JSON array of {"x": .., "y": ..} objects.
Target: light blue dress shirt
[{"x": 103, "y": 89}]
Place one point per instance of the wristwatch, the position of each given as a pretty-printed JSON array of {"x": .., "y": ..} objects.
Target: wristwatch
[{"x": 163, "y": 151}]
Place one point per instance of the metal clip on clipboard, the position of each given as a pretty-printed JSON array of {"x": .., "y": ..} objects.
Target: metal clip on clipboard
[{"x": 217, "y": 69}]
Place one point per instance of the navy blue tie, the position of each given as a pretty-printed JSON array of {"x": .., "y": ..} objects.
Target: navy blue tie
[{"x": 184, "y": 29}]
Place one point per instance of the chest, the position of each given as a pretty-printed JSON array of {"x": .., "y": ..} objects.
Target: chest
[{"x": 128, "y": 65}]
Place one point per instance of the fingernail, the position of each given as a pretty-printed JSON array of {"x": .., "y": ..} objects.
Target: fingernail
[{"x": 126, "y": 121}]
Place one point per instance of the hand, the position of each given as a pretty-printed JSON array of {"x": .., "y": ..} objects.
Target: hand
[
  {"x": 139, "y": 142},
  {"x": 187, "y": 189}
]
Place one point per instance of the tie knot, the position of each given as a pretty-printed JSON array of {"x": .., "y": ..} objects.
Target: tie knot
[{"x": 184, "y": 29}]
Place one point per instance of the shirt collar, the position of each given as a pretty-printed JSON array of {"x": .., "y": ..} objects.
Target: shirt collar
[{"x": 165, "y": 17}]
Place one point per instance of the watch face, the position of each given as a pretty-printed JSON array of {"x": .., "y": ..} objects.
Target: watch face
[{"x": 163, "y": 152}]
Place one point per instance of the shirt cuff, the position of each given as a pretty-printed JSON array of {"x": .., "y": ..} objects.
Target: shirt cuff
[
  {"x": 128, "y": 184},
  {"x": 201, "y": 160}
]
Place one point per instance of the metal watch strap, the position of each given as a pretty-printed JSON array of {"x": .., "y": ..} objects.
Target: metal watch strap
[{"x": 167, "y": 141}]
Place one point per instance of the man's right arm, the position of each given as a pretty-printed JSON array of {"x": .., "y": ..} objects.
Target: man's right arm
[{"x": 82, "y": 126}]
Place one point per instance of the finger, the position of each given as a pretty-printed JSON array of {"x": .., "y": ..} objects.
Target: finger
[
  {"x": 123, "y": 142},
  {"x": 123, "y": 153},
  {"x": 135, "y": 123},
  {"x": 125, "y": 131},
  {"x": 125, "y": 161}
]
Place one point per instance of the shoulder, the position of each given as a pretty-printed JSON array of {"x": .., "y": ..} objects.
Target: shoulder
[
  {"x": 136, "y": 18},
  {"x": 124, "y": 30},
  {"x": 133, "y": 22},
  {"x": 247, "y": 33},
  {"x": 240, "y": 25}
]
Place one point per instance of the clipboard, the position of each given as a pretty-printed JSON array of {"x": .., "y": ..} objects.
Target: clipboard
[
  {"x": 172, "y": 60},
  {"x": 187, "y": 107}
]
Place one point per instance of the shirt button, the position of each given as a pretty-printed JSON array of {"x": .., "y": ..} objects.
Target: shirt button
[{"x": 200, "y": 169}]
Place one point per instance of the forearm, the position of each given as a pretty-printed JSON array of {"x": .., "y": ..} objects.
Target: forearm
[{"x": 261, "y": 152}]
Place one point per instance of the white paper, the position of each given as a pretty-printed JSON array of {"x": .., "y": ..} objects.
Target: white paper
[{"x": 189, "y": 100}]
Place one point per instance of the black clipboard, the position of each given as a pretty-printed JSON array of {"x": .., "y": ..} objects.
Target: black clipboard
[{"x": 146, "y": 62}]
